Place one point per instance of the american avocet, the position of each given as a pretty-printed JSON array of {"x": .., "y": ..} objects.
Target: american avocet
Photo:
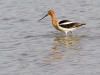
[{"x": 63, "y": 25}]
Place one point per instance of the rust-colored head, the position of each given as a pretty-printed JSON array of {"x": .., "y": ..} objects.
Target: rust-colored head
[{"x": 50, "y": 12}]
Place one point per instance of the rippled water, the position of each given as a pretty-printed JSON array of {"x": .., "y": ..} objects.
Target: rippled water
[{"x": 29, "y": 47}]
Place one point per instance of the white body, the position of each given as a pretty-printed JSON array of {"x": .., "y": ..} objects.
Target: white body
[{"x": 66, "y": 30}]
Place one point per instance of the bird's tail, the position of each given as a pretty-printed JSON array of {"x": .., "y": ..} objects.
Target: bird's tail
[{"x": 83, "y": 23}]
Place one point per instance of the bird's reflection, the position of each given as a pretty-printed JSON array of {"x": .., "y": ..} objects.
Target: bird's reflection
[
  {"x": 65, "y": 46},
  {"x": 66, "y": 41}
]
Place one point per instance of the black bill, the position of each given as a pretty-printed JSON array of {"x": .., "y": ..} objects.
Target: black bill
[{"x": 43, "y": 17}]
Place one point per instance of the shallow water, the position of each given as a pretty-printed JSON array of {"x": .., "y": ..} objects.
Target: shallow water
[{"x": 29, "y": 47}]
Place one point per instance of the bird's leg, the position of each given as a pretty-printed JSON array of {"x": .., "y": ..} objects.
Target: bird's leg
[
  {"x": 71, "y": 32},
  {"x": 66, "y": 33}
]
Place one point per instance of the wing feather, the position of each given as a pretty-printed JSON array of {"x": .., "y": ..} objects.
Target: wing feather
[
  {"x": 63, "y": 21},
  {"x": 70, "y": 25}
]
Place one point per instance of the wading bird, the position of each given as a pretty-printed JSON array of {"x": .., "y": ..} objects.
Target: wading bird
[{"x": 63, "y": 25}]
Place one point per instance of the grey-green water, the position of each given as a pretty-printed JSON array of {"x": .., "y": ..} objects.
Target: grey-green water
[{"x": 29, "y": 47}]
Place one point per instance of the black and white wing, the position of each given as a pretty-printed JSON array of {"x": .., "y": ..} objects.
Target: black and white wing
[{"x": 69, "y": 24}]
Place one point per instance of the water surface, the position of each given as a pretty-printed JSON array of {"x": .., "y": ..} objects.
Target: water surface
[{"x": 29, "y": 47}]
